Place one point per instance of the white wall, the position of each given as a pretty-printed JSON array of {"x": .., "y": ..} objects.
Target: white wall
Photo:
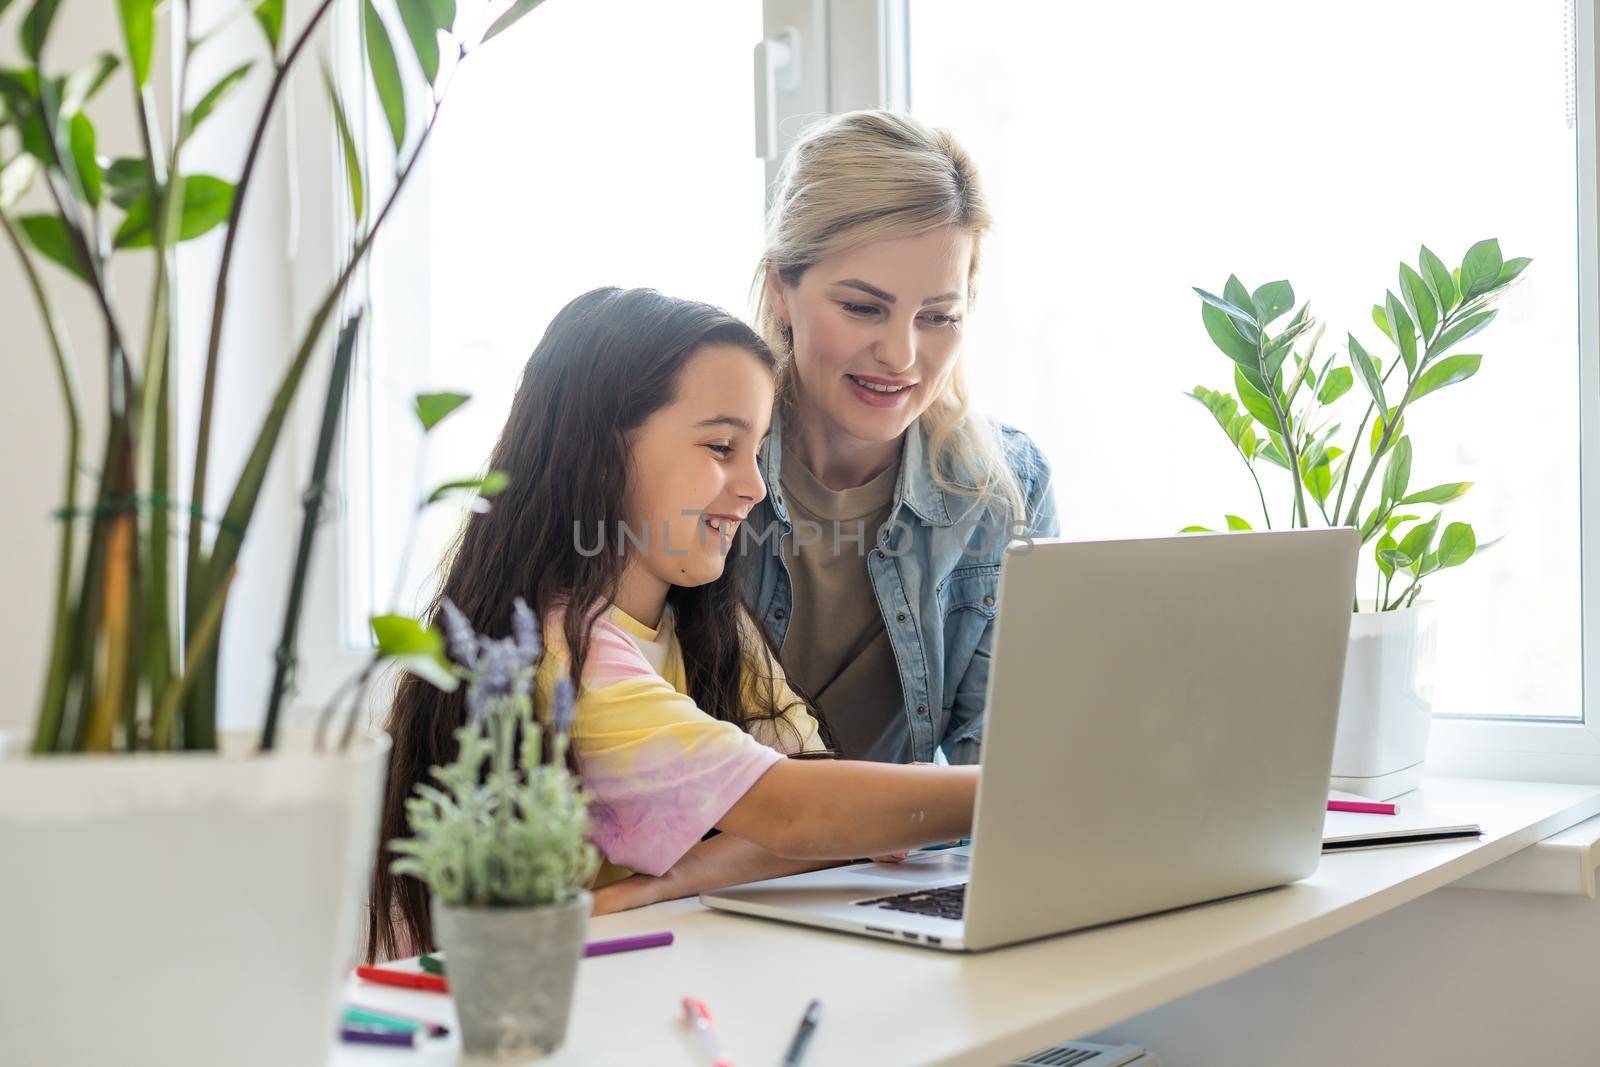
[{"x": 1458, "y": 977}]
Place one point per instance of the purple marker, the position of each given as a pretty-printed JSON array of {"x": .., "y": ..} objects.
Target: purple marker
[
  {"x": 628, "y": 944},
  {"x": 361, "y": 1035}
]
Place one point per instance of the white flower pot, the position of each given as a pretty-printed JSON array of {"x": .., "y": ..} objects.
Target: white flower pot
[
  {"x": 183, "y": 910},
  {"x": 1387, "y": 703}
]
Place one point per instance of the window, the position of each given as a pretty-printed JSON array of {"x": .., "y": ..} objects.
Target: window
[
  {"x": 606, "y": 142},
  {"x": 1131, "y": 151}
]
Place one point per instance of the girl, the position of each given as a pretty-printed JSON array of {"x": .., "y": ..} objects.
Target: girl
[
  {"x": 631, "y": 452},
  {"x": 872, "y": 256}
]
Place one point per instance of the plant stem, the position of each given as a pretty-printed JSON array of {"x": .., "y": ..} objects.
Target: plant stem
[
  {"x": 315, "y": 493},
  {"x": 201, "y": 646},
  {"x": 53, "y": 705},
  {"x": 1259, "y": 494},
  {"x": 219, "y": 301},
  {"x": 1286, "y": 430},
  {"x": 247, "y": 490}
]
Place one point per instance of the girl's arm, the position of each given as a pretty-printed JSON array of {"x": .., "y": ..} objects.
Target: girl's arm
[
  {"x": 722, "y": 861},
  {"x": 838, "y": 810}
]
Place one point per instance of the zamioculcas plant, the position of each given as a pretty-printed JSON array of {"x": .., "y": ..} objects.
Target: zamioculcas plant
[
  {"x": 1290, "y": 405},
  {"x": 133, "y": 657}
]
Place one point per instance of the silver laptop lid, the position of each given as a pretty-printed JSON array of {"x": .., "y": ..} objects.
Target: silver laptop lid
[{"x": 1160, "y": 727}]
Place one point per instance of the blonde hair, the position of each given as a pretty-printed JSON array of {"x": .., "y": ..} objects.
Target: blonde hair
[{"x": 869, "y": 176}]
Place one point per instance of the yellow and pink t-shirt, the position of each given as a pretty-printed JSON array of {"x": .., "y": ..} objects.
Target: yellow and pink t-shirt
[{"x": 658, "y": 771}]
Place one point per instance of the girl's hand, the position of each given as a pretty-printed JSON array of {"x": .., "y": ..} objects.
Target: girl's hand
[
  {"x": 635, "y": 891},
  {"x": 896, "y": 857}
]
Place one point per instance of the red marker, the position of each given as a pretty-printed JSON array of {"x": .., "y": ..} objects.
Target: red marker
[
  {"x": 1362, "y": 807},
  {"x": 433, "y": 983},
  {"x": 698, "y": 1016}
]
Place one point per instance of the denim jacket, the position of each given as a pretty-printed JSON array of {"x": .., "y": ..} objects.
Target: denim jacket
[{"x": 936, "y": 573}]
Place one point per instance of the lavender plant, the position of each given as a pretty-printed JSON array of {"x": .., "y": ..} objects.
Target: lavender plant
[{"x": 506, "y": 824}]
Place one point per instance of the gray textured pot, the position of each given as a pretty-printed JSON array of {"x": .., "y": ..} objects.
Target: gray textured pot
[{"x": 512, "y": 972}]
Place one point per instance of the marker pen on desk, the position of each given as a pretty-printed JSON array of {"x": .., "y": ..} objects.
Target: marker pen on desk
[
  {"x": 1362, "y": 807},
  {"x": 363, "y": 1035},
  {"x": 698, "y": 1016},
  {"x": 808, "y": 1023},
  {"x": 433, "y": 983}
]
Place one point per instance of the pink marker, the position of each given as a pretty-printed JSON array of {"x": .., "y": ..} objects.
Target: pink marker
[
  {"x": 1362, "y": 807},
  {"x": 698, "y": 1016}
]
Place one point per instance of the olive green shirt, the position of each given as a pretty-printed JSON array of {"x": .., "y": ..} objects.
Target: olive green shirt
[{"x": 836, "y": 647}]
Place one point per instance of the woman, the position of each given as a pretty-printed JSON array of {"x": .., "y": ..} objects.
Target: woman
[
  {"x": 886, "y": 618},
  {"x": 631, "y": 459}
]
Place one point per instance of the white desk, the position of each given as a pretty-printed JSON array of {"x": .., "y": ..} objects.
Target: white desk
[{"x": 887, "y": 1003}]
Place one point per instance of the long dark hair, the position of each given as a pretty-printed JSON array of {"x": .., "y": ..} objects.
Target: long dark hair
[{"x": 609, "y": 360}]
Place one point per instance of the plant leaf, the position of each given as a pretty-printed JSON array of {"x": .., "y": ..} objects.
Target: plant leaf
[
  {"x": 1271, "y": 300},
  {"x": 1380, "y": 318},
  {"x": 1377, "y": 432},
  {"x": 1236, "y": 523},
  {"x": 1480, "y": 269},
  {"x": 1418, "y": 301},
  {"x": 50, "y": 238},
  {"x": 352, "y": 158},
  {"x": 1398, "y": 473},
  {"x": 16, "y": 178},
  {"x": 1367, "y": 373},
  {"x": 513, "y": 14},
  {"x": 82, "y": 84},
  {"x": 1439, "y": 494},
  {"x": 80, "y": 140},
  {"x": 126, "y": 180},
  {"x": 1196, "y": 529},
  {"x": 386, "y": 74},
  {"x": 418, "y": 648},
  {"x": 1456, "y": 545},
  {"x": 1419, "y": 540},
  {"x": 1440, "y": 284},
  {"x": 1335, "y": 384},
  {"x": 1237, "y": 313},
  {"x": 207, "y": 199},
  {"x": 1459, "y": 331},
  {"x": 139, "y": 33},
  {"x": 1403, "y": 332},
  {"x": 1254, "y": 400},
  {"x": 489, "y": 485},
  {"x": 36, "y": 28},
  {"x": 1391, "y": 557},
  {"x": 214, "y": 96},
  {"x": 432, "y": 408},
  {"x": 1226, "y": 336},
  {"x": 269, "y": 15},
  {"x": 1447, "y": 371},
  {"x": 1510, "y": 269},
  {"x": 423, "y": 20}
]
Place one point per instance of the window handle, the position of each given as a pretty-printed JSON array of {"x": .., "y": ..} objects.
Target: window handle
[{"x": 777, "y": 70}]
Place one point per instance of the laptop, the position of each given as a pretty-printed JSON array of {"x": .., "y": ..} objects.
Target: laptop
[{"x": 1160, "y": 729}]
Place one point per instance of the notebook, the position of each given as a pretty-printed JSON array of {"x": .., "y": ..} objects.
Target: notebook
[{"x": 1414, "y": 824}]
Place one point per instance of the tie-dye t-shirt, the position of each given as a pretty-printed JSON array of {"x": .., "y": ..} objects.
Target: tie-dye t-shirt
[{"x": 658, "y": 771}]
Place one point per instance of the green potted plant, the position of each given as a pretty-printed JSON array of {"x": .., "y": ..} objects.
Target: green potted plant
[
  {"x": 214, "y": 879},
  {"x": 502, "y": 844},
  {"x": 1292, "y": 415}
]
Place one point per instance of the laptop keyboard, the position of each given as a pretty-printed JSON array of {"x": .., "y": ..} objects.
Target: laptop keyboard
[{"x": 946, "y": 902}]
